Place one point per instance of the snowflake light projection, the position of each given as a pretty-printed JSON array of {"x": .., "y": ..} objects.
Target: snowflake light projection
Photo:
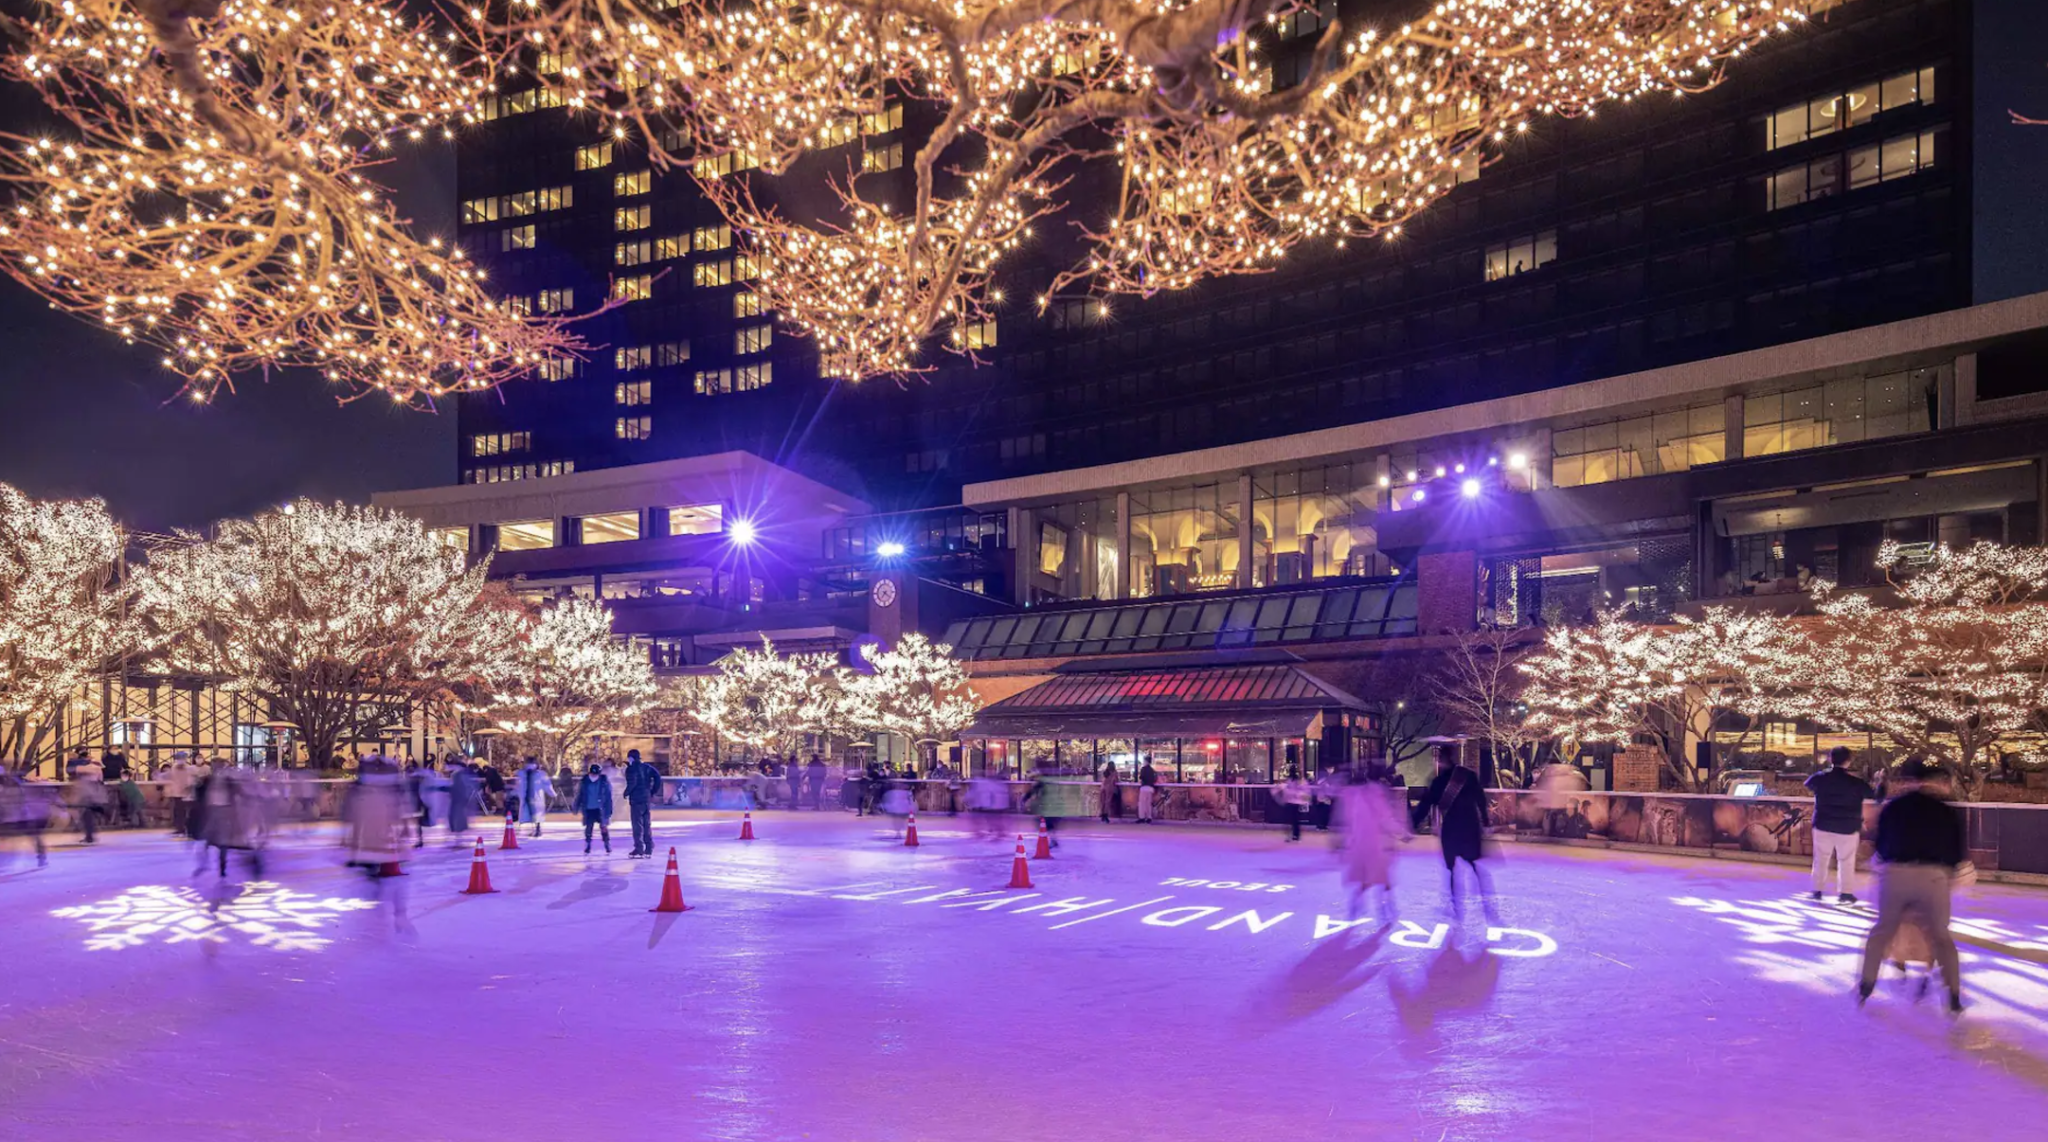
[
  {"x": 269, "y": 914},
  {"x": 1819, "y": 947}
]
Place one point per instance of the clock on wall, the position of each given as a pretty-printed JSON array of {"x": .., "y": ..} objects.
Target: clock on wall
[{"x": 884, "y": 592}]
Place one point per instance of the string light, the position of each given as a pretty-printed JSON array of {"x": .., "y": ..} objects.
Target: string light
[{"x": 570, "y": 679}]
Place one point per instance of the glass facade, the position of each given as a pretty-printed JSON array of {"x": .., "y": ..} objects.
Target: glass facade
[
  {"x": 1314, "y": 523},
  {"x": 1072, "y": 550},
  {"x": 526, "y": 535},
  {"x": 1638, "y": 446},
  {"x": 1840, "y": 412},
  {"x": 1375, "y": 610},
  {"x": 1184, "y": 540}
]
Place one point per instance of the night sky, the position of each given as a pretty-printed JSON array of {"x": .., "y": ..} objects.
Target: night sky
[{"x": 83, "y": 414}]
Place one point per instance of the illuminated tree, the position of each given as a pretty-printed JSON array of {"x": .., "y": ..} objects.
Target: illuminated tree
[
  {"x": 1479, "y": 690},
  {"x": 572, "y": 680},
  {"x": 917, "y": 689},
  {"x": 340, "y": 620},
  {"x": 210, "y": 193},
  {"x": 65, "y": 615},
  {"x": 1218, "y": 172},
  {"x": 765, "y": 700},
  {"x": 1957, "y": 671}
]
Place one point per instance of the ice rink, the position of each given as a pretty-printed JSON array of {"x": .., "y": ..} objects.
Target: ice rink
[{"x": 1166, "y": 982}]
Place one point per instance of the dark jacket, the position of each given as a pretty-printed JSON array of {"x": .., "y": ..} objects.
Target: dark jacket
[
  {"x": 1462, "y": 830},
  {"x": 595, "y": 792},
  {"x": 643, "y": 782},
  {"x": 1148, "y": 775},
  {"x": 1915, "y": 828},
  {"x": 1838, "y": 797}
]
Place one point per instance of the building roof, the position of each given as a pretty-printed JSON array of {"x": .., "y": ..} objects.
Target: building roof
[{"x": 1262, "y": 700}]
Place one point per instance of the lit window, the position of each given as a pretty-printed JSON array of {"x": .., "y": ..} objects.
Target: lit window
[
  {"x": 1639, "y": 446},
  {"x": 632, "y": 253},
  {"x": 593, "y": 157},
  {"x": 1841, "y": 110},
  {"x": 884, "y": 158},
  {"x": 889, "y": 118},
  {"x": 748, "y": 377},
  {"x": 633, "y": 427},
  {"x": 480, "y": 210},
  {"x": 716, "y": 273},
  {"x": 837, "y": 133},
  {"x": 672, "y": 353},
  {"x": 556, "y": 300},
  {"x": 558, "y": 368},
  {"x": 697, "y": 519},
  {"x": 1074, "y": 60},
  {"x": 745, "y": 268},
  {"x": 549, "y": 63},
  {"x": 711, "y": 237},
  {"x": 637, "y": 182},
  {"x": 713, "y": 381},
  {"x": 632, "y": 218},
  {"x": 637, "y": 288},
  {"x": 517, "y": 238},
  {"x": 611, "y": 527},
  {"x": 631, "y": 393},
  {"x": 518, "y": 205},
  {"x": 499, "y": 443},
  {"x": 1530, "y": 251},
  {"x": 634, "y": 357},
  {"x": 753, "y": 339},
  {"x": 526, "y": 535},
  {"x": 730, "y": 162},
  {"x": 521, "y": 306},
  {"x": 1829, "y": 175},
  {"x": 673, "y": 246},
  {"x": 555, "y": 198},
  {"x": 977, "y": 335},
  {"x": 747, "y": 303},
  {"x": 1838, "y": 412},
  {"x": 452, "y": 538}
]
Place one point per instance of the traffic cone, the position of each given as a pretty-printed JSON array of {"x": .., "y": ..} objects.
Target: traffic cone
[
  {"x": 747, "y": 826},
  {"x": 1044, "y": 842},
  {"x": 479, "y": 874},
  {"x": 1020, "y": 869},
  {"x": 910, "y": 834},
  {"x": 511, "y": 840},
  {"x": 671, "y": 889}
]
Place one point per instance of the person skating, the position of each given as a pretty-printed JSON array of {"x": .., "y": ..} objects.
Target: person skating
[
  {"x": 1838, "y": 797},
  {"x": 793, "y": 772},
  {"x": 1112, "y": 794},
  {"x": 643, "y": 788},
  {"x": 1461, "y": 826},
  {"x": 1372, "y": 829},
  {"x": 88, "y": 794},
  {"x": 24, "y": 810},
  {"x": 462, "y": 789},
  {"x": 594, "y": 799},
  {"x": 179, "y": 780},
  {"x": 1148, "y": 791},
  {"x": 1293, "y": 795},
  {"x": 815, "y": 776},
  {"x": 1920, "y": 843},
  {"x": 534, "y": 790}
]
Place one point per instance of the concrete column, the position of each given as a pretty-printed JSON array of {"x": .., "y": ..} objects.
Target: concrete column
[
  {"x": 1966, "y": 389},
  {"x": 1731, "y": 426},
  {"x": 653, "y": 523},
  {"x": 1122, "y": 590},
  {"x": 568, "y": 531},
  {"x": 1245, "y": 548},
  {"x": 1945, "y": 399},
  {"x": 1024, "y": 547}
]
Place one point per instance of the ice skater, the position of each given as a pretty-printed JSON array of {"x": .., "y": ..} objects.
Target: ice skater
[
  {"x": 1461, "y": 827},
  {"x": 594, "y": 799},
  {"x": 1920, "y": 846},
  {"x": 1293, "y": 795},
  {"x": 1838, "y": 797},
  {"x": 643, "y": 789},
  {"x": 377, "y": 810},
  {"x": 1373, "y": 829},
  {"x": 534, "y": 790},
  {"x": 1112, "y": 793},
  {"x": 25, "y": 810}
]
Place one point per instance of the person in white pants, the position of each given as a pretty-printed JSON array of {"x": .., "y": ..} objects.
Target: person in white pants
[
  {"x": 1838, "y": 797},
  {"x": 1841, "y": 848}
]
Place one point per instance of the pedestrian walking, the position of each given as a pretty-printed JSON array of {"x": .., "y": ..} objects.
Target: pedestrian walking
[
  {"x": 1460, "y": 805},
  {"x": 88, "y": 794},
  {"x": 1838, "y": 797},
  {"x": 643, "y": 789},
  {"x": 594, "y": 800},
  {"x": 1373, "y": 829},
  {"x": 1921, "y": 849},
  {"x": 815, "y": 777},
  {"x": 1112, "y": 792},
  {"x": 1293, "y": 796},
  {"x": 534, "y": 790},
  {"x": 1148, "y": 791}
]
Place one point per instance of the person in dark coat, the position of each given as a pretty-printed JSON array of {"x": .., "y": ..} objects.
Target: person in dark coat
[
  {"x": 815, "y": 775},
  {"x": 1461, "y": 826},
  {"x": 462, "y": 797},
  {"x": 793, "y": 772},
  {"x": 594, "y": 798},
  {"x": 643, "y": 789},
  {"x": 1920, "y": 842}
]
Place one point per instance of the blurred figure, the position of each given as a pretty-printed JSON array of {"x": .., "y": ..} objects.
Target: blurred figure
[
  {"x": 617, "y": 778},
  {"x": 1461, "y": 826},
  {"x": 376, "y": 812},
  {"x": 794, "y": 774},
  {"x": 1373, "y": 829},
  {"x": 230, "y": 819},
  {"x": 1325, "y": 788},
  {"x": 462, "y": 790},
  {"x": 1920, "y": 845},
  {"x": 594, "y": 799},
  {"x": 1148, "y": 791},
  {"x": 534, "y": 790},
  {"x": 25, "y": 811},
  {"x": 179, "y": 778},
  {"x": 815, "y": 776},
  {"x": 1112, "y": 792},
  {"x": 643, "y": 789},
  {"x": 1838, "y": 797},
  {"x": 88, "y": 794},
  {"x": 1293, "y": 796}
]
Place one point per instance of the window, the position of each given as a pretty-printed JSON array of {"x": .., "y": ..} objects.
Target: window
[
  {"x": 479, "y": 210},
  {"x": 697, "y": 519},
  {"x": 930, "y": 460},
  {"x": 716, "y": 273},
  {"x": 633, "y": 253},
  {"x": 1639, "y": 446},
  {"x": 633, "y": 427},
  {"x": 1531, "y": 251},
  {"x": 549, "y": 63},
  {"x": 499, "y": 443},
  {"x": 731, "y": 162},
  {"x": 554, "y": 198},
  {"x": 711, "y": 237},
  {"x": 521, "y": 306},
  {"x": 499, "y": 473},
  {"x": 753, "y": 339},
  {"x": 889, "y": 118},
  {"x": 518, "y": 103},
  {"x": 837, "y": 133},
  {"x": 1841, "y": 110},
  {"x": 748, "y": 377},
  {"x": 1304, "y": 21},
  {"x": 673, "y": 246},
  {"x": 745, "y": 268},
  {"x": 711, "y": 382},
  {"x": 672, "y": 353},
  {"x": 1074, "y": 60},
  {"x": 518, "y": 205},
  {"x": 976, "y": 335},
  {"x": 1022, "y": 447},
  {"x": 625, "y": 185},
  {"x": 632, "y": 218},
  {"x": 1896, "y": 157},
  {"x": 594, "y": 156},
  {"x": 882, "y": 158},
  {"x": 636, "y": 357},
  {"x": 640, "y": 287},
  {"x": 1838, "y": 412},
  {"x": 556, "y": 300},
  {"x": 516, "y": 238},
  {"x": 611, "y": 527},
  {"x": 747, "y": 303},
  {"x": 526, "y": 535},
  {"x": 452, "y": 538},
  {"x": 558, "y": 368},
  {"x": 1074, "y": 313},
  {"x": 631, "y": 393}
]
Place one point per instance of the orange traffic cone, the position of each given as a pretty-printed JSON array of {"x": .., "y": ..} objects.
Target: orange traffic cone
[
  {"x": 746, "y": 826},
  {"x": 671, "y": 889},
  {"x": 1044, "y": 842},
  {"x": 910, "y": 834},
  {"x": 1020, "y": 869},
  {"x": 479, "y": 874},
  {"x": 511, "y": 840}
]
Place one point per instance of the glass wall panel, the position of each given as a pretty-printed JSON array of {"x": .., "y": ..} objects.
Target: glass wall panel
[
  {"x": 1671, "y": 441},
  {"x": 1313, "y": 523},
  {"x": 1074, "y": 550},
  {"x": 1184, "y": 540},
  {"x": 1839, "y": 412}
]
